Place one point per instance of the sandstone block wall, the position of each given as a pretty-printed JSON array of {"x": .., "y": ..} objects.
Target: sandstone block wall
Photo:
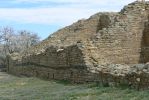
[
  {"x": 90, "y": 50},
  {"x": 80, "y": 31},
  {"x": 54, "y": 63},
  {"x": 145, "y": 44},
  {"x": 121, "y": 43}
]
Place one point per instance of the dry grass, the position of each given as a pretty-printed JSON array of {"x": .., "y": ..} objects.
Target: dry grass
[{"x": 23, "y": 88}]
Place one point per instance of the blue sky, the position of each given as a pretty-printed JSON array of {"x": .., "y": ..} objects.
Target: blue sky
[{"x": 47, "y": 16}]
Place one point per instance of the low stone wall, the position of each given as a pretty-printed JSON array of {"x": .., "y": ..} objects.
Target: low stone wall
[
  {"x": 134, "y": 76},
  {"x": 72, "y": 75},
  {"x": 54, "y": 63},
  {"x": 68, "y": 64}
]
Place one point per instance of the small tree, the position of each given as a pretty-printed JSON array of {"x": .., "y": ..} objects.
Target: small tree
[
  {"x": 6, "y": 34},
  {"x": 27, "y": 39},
  {"x": 15, "y": 41}
]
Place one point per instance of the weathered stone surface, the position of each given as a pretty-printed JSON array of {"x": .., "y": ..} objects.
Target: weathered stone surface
[{"x": 107, "y": 47}]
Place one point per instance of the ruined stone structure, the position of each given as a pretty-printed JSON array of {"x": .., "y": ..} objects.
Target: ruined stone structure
[{"x": 107, "y": 47}]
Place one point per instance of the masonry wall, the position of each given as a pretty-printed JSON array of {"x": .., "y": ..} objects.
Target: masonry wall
[
  {"x": 76, "y": 52},
  {"x": 121, "y": 43},
  {"x": 117, "y": 37},
  {"x": 76, "y": 69},
  {"x": 79, "y": 31},
  {"x": 145, "y": 44},
  {"x": 54, "y": 63}
]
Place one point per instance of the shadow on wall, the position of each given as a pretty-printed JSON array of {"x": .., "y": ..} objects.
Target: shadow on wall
[
  {"x": 104, "y": 22},
  {"x": 144, "y": 54}
]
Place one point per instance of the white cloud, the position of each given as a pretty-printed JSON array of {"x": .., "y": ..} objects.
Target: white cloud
[
  {"x": 63, "y": 15},
  {"x": 44, "y": 15}
]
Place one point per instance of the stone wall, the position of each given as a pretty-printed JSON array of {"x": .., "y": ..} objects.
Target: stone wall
[
  {"x": 80, "y": 31},
  {"x": 121, "y": 43},
  {"x": 145, "y": 43},
  {"x": 117, "y": 37},
  {"x": 102, "y": 48},
  {"x": 54, "y": 63},
  {"x": 134, "y": 76}
]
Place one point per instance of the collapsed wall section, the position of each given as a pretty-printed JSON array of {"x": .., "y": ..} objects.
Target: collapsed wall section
[{"x": 81, "y": 30}]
